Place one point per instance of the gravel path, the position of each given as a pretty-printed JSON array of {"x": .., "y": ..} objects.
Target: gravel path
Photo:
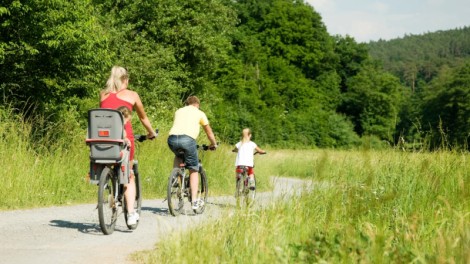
[{"x": 71, "y": 234}]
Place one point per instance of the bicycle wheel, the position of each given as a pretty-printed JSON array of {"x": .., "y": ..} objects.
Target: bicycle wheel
[
  {"x": 174, "y": 193},
  {"x": 107, "y": 204},
  {"x": 138, "y": 197},
  {"x": 250, "y": 193},
  {"x": 239, "y": 188},
  {"x": 202, "y": 190}
]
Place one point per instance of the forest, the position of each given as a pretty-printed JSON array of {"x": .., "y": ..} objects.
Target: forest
[{"x": 270, "y": 65}]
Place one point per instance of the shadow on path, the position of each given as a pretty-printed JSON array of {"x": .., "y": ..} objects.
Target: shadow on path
[
  {"x": 156, "y": 210},
  {"x": 87, "y": 228}
]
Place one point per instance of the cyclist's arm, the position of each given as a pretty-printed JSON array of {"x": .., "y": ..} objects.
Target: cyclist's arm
[
  {"x": 258, "y": 149},
  {"x": 210, "y": 135},
  {"x": 139, "y": 108}
]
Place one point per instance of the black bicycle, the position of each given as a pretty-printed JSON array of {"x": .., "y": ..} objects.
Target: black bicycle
[
  {"x": 111, "y": 191},
  {"x": 244, "y": 193},
  {"x": 109, "y": 166},
  {"x": 179, "y": 188}
]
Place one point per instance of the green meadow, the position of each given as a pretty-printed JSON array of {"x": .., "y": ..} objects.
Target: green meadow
[{"x": 376, "y": 206}]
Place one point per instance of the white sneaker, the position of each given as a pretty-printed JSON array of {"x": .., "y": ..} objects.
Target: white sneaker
[
  {"x": 197, "y": 204},
  {"x": 132, "y": 218}
]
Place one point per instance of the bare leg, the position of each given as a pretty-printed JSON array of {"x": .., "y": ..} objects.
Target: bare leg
[
  {"x": 129, "y": 191},
  {"x": 194, "y": 183},
  {"x": 252, "y": 176},
  {"x": 251, "y": 180}
]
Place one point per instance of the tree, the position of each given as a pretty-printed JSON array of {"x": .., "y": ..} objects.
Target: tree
[
  {"x": 282, "y": 81},
  {"x": 372, "y": 102},
  {"x": 51, "y": 52},
  {"x": 351, "y": 57},
  {"x": 172, "y": 48},
  {"x": 446, "y": 108}
]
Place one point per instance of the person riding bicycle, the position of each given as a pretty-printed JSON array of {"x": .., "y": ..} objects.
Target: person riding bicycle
[
  {"x": 114, "y": 96},
  {"x": 245, "y": 155},
  {"x": 183, "y": 135}
]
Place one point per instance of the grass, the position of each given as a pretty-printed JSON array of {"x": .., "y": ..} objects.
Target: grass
[{"x": 381, "y": 207}]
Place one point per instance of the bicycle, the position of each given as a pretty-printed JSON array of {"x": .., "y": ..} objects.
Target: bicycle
[
  {"x": 179, "y": 188},
  {"x": 245, "y": 193},
  {"x": 109, "y": 167}
]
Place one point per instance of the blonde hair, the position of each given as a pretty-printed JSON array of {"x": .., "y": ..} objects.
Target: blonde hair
[
  {"x": 126, "y": 113},
  {"x": 246, "y": 133},
  {"x": 114, "y": 83}
]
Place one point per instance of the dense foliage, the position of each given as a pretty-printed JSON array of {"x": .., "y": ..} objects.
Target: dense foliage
[
  {"x": 268, "y": 64},
  {"x": 434, "y": 68},
  {"x": 50, "y": 53}
]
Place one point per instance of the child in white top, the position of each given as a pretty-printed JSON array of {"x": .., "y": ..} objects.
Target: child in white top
[{"x": 245, "y": 152}]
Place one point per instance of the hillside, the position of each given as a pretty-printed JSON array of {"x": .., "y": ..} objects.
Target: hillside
[
  {"x": 435, "y": 69},
  {"x": 419, "y": 58}
]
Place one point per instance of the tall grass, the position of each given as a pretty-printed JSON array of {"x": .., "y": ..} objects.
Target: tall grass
[
  {"x": 41, "y": 171},
  {"x": 380, "y": 207}
]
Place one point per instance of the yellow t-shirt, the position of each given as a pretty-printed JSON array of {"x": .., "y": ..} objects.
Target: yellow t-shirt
[{"x": 188, "y": 121}]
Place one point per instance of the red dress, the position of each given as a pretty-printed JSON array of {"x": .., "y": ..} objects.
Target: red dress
[{"x": 113, "y": 102}]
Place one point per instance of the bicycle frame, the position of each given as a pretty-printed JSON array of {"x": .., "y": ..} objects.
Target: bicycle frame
[{"x": 183, "y": 178}]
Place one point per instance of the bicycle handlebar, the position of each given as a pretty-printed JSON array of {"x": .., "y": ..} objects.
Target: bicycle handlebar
[
  {"x": 206, "y": 147},
  {"x": 256, "y": 152},
  {"x": 142, "y": 138}
]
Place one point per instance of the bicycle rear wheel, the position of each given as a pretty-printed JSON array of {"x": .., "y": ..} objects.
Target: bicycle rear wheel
[
  {"x": 138, "y": 196},
  {"x": 174, "y": 192},
  {"x": 202, "y": 190},
  {"x": 107, "y": 203}
]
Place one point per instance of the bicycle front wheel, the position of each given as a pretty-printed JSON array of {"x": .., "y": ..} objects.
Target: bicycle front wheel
[
  {"x": 138, "y": 197},
  {"x": 202, "y": 190},
  {"x": 239, "y": 188},
  {"x": 107, "y": 203},
  {"x": 174, "y": 192}
]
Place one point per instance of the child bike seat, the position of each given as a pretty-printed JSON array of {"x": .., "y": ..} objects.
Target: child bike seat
[{"x": 105, "y": 135}]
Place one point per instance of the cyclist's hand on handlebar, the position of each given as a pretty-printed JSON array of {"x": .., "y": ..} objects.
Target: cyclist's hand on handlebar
[
  {"x": 128, "y": 142},
  {"x": 212, "y": 146},
  {"x": 152, "y": 135}
]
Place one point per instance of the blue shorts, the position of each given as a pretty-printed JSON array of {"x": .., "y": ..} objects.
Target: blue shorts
[{"x": 189, "y": 146}]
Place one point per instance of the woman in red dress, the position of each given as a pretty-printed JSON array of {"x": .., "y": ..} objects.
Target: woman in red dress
[{"x": 113, "y": 96}]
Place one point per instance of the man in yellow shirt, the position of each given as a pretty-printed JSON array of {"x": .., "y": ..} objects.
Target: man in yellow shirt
[{"x": 183, "y": 134}]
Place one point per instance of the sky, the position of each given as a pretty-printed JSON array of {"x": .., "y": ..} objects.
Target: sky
[{"x": 372, "y": 20}]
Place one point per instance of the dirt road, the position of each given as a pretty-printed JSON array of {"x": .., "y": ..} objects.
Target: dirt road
[{"x": 72, "y": 234}]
